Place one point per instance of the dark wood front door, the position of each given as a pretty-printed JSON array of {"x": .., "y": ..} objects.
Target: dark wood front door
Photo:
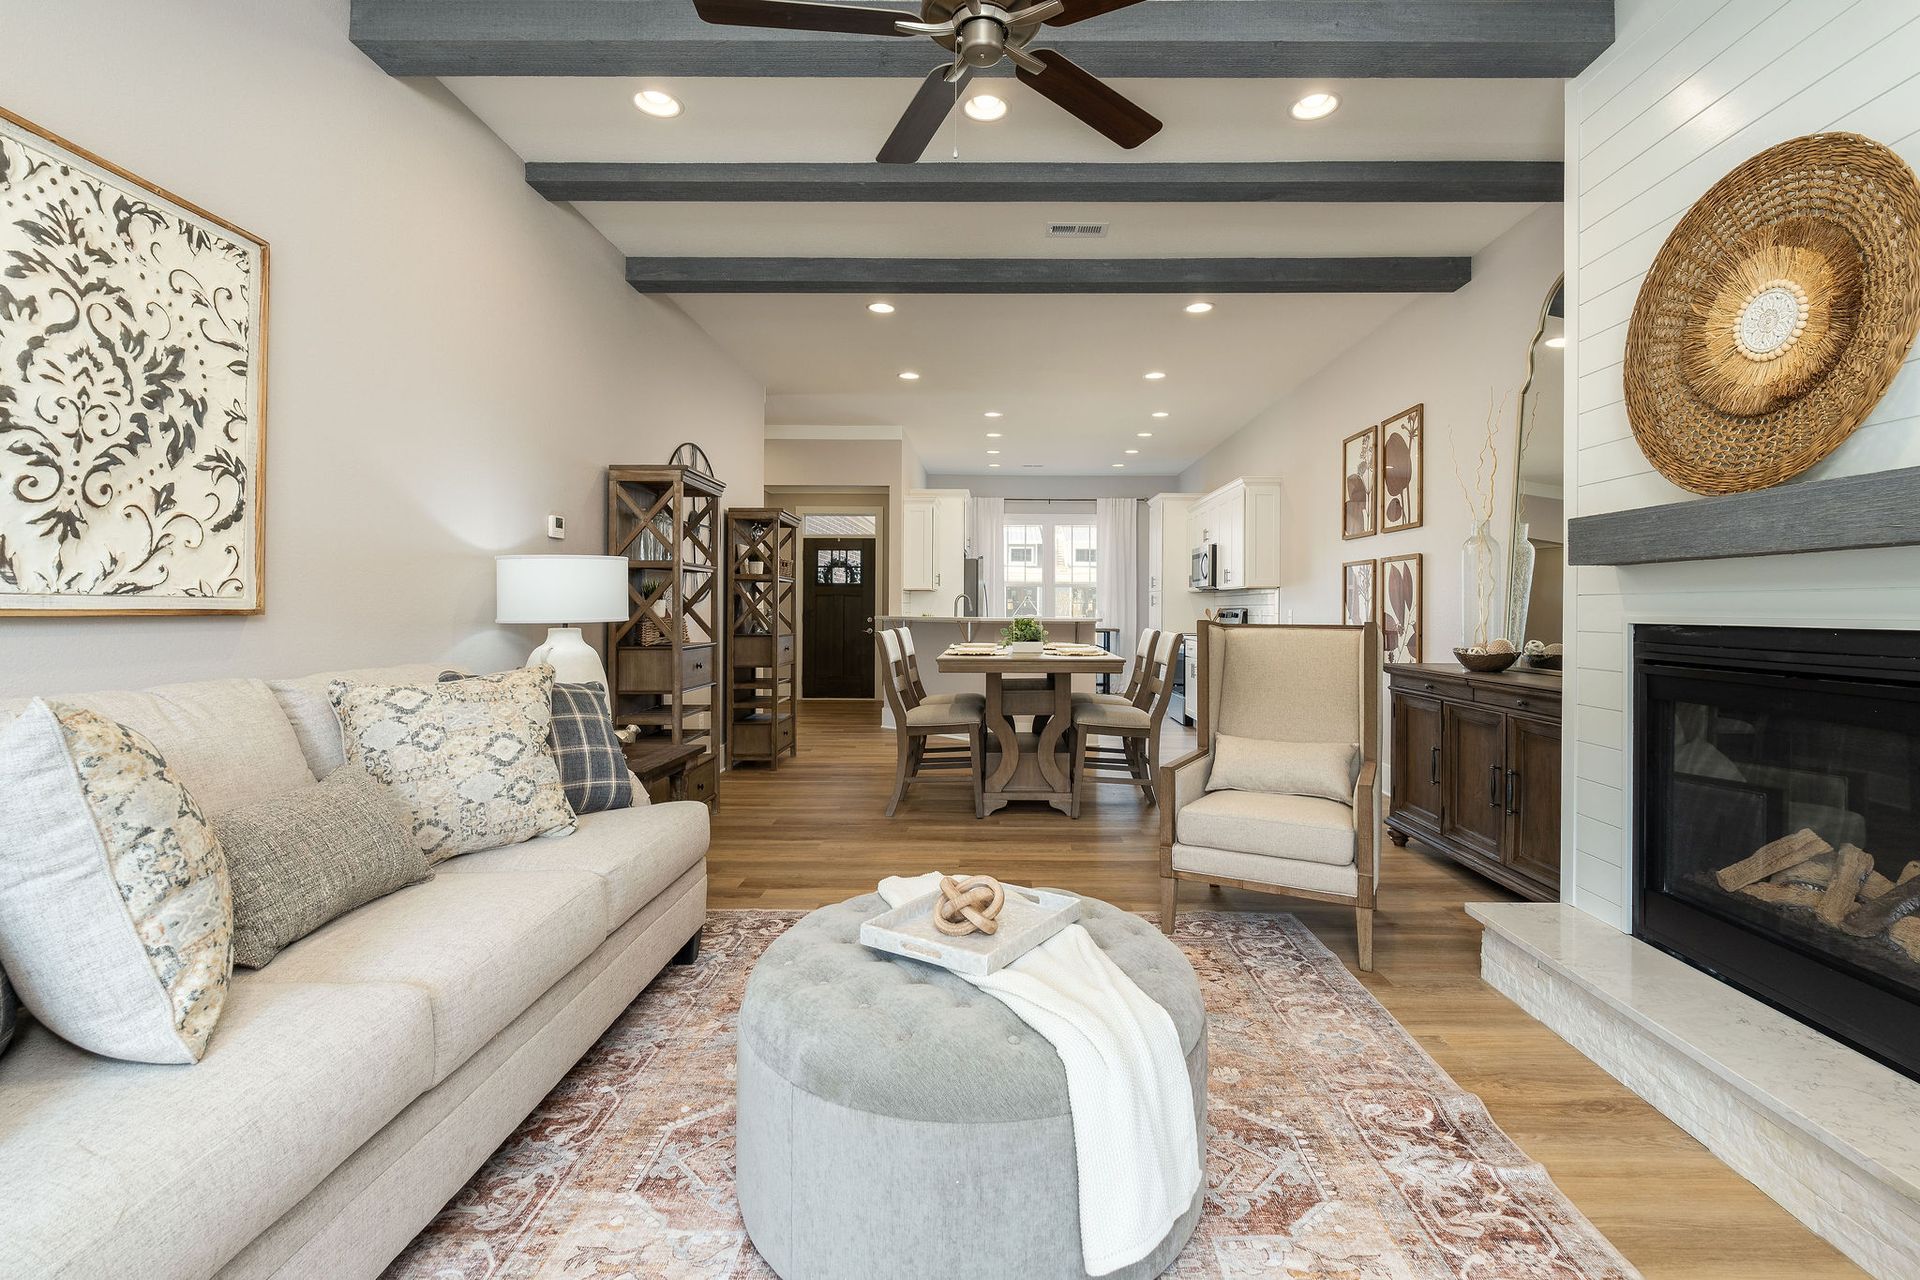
[{"x": 839, "y": 576}]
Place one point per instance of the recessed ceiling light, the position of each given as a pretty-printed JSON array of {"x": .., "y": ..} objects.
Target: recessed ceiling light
[
  {"x": 995, "y": 413},
  {"x": 1159, "y": 413},
  {"x": 658, "y": 104},
  {"x": 995, "y": 435},
  {"x": 1119, "y": 464},
  {"x": 1155, "y": 376},
  {"x": 1316, "y": 106},
  {"x": 1557, "y": 341},
  {"x": 908, "y": 375},
  {"x": 880, "y": 308},
  {"x": 1144, "y": 435},
  {"x": 1199, "y": 308},
  {"x": 992, "y": 451},
  {"x": 993, "y": 464},
  {"x": 1133, "y": 451},
  {"x": 985, "y": 107}
]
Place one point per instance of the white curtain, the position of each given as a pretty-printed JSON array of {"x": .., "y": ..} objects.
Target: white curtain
[
  {"x": 986, "y": 525},
  {"x": 1118, "y": 578}
]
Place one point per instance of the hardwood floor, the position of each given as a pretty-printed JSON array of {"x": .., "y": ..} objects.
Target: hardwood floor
[{"x": 812, "y": 833}]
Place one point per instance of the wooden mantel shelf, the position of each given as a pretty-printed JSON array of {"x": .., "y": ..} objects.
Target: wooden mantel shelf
[{"x": 1845, "y": 513}]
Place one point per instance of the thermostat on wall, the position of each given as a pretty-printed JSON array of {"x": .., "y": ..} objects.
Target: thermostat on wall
[{"x": 556, "y": 526}]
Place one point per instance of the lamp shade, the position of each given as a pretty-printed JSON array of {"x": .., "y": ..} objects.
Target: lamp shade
[{"x": 560, "y": 589}]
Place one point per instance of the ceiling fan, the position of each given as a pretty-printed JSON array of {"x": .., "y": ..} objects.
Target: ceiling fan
[{"x": 979, "y": 33}]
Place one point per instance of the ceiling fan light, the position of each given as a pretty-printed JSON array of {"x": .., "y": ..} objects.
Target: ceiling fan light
[
  {"x": 1316, "y": 106},
  {"x": 985, "y": 107},
  {"x": 657, "y": 103}
]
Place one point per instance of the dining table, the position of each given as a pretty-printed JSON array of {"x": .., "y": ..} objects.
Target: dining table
[{"x": 1032, "y": 765}]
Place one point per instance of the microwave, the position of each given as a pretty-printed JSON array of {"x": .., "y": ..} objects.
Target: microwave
[{"x": 1206, "y": 558}]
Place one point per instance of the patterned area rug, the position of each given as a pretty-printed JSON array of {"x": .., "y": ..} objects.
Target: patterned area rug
[{"x": 1338, "y": 1149}]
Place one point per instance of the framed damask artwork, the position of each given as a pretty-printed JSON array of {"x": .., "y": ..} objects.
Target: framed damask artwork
[
  {"x": 1403, "y": 622},
  {"x": 133, "y": 337},
  {"x": 1403, "y": 470},
  {"x": 1360, "y": 484},
  {"x": 1359, "y": 592}
]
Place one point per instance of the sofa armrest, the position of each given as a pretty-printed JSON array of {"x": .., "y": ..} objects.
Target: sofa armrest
[
  {"x": 1180, "y": 782},
  {"x": 1366, "y": 822}
]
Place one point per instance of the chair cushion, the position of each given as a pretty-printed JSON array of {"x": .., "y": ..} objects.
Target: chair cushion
[
  {"x": 635, "y": 853},
  {"x": 1305, "y": 828},
  {"x": 482, "y": 947},
  {"x": 116, "y": 923},
  {"x": 1103, "y": 699},
  {"x": 316, "y": 726},
  {"x": 1108, "y": 715},
  {"x": 123, "y": 1169},
  {"x": 963, "y": 710},
  {"x": 1324, "y": 769}
]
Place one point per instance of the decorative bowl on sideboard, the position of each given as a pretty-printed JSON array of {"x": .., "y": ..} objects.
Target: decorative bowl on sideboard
[{"x": 1485, "y": 662}]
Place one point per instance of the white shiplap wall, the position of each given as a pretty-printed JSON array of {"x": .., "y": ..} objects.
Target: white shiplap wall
[{"x": 1693, "y": 88}]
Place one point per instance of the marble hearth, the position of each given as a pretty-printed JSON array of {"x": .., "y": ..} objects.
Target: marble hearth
[{"x": 1829, "y": 1133}]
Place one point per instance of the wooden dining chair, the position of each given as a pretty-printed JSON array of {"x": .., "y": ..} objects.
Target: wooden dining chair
[
  {"x": 1142, "y": 659},
  {"x": 917, "y": 721},
  {"x": 1136, "y": 724}
]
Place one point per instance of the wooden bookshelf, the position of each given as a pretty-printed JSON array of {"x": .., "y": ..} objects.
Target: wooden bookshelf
[
  {"x": 762, "y": 606},
  {"x": 665, "y": 657}
]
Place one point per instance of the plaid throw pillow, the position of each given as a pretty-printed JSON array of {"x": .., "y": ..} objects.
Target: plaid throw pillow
[{"x": 593, "y": 770}]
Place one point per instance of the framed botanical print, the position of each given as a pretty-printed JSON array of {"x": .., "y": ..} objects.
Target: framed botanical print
[
  {"x": 1359, "y": 592},
  {"x": 133, "y": 334},
  {"x": 1403, "y": 622},
  {"x": 1360, "y": 484},
  {"x": 1403, "y": 470}
]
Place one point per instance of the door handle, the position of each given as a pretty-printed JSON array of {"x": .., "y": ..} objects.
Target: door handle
[
  {"x": 1433, "y": 768},
  {"x": 1513, "y": 798},
  {"x": 1493, "y": 789}
]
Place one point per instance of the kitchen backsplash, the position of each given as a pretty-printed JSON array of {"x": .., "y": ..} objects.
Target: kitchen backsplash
[{"x": 1261, "y": 606}]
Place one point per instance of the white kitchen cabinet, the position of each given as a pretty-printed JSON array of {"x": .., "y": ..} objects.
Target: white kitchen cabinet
[
  {"x": 934, "y": 546},
  {"x": 916, "y": 543},
  {"x": 1242, "y": 520},
  {"x": 1170, "y": 542}
]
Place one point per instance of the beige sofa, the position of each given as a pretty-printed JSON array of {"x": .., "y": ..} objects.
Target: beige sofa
[{"x": 353, "y": 1085}]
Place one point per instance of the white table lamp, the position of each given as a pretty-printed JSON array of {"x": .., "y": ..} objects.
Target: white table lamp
[{"x": 562, "y": 592}]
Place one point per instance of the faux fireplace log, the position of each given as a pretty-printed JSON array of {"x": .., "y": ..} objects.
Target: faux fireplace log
[
  {"x": 1877, "y": 915},
  {"x": 1849, "y": 873},
  {"x": 1787, "y": 851}
]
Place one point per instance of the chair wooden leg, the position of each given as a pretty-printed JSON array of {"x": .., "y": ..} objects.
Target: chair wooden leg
[
  {"x": 1363, "y": 929},
  {"x": 1148, "y": 749},
  {"x": 977, "y": 745},
  {"x": 900, "y": 773},
  {"x": 1169, "y": 896}
]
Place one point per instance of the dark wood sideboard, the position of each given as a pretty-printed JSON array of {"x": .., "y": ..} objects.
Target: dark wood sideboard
[{"x": 1475, "y": 767}]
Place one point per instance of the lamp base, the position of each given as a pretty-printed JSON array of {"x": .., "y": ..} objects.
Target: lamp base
[{"x": 573, "y": 660}]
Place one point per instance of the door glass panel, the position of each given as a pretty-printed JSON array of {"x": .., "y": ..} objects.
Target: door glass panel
[{"x": 840, "y": 567}]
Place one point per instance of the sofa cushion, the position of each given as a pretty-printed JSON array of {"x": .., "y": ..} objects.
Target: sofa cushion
[
  {"x": 115, "y": 919},
  {"x": 635, "y": 853},
  {"x": 482, "y": 947},
  {"x": 316, "y": 726},
  {"x": 9, "y": 1012},
  {"x": 299, "y": 860},
  {"x": 1324, "y": 769},
  {"x": 227, "y": 741},
  {"x": 471, "y": 758},
  {"x": 1303, "y": 828},
  {"x": 120, "y": 1169}
]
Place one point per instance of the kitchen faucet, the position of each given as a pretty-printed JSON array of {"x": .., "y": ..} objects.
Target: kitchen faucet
[{"x": 963, "y": 599}]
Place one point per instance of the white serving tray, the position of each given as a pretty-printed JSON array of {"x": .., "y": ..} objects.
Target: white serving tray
[{"x": 1028, "y": 918}]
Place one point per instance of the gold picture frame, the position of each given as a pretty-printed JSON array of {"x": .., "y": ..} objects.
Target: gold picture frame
[
  {"x": 1403, "y": 619},
  {"x": 1403, "y": 470},
  {"x": 1359, "y": 582},
  {"x": 1360, "y": 484}
]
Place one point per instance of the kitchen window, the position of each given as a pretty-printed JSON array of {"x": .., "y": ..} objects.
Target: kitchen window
[{"x": 1052, "y": 565}]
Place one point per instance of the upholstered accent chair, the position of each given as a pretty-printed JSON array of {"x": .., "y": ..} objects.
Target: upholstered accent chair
[
  {"x": 917, "y": 721},
  {"x": 1307, "y": 688},
  {"x": 1136, "y": 724}
]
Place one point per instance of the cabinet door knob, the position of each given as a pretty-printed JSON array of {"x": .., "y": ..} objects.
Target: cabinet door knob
[
  {"x": 1428, "y": 686},
  {"x": 1521, "y": 702}
]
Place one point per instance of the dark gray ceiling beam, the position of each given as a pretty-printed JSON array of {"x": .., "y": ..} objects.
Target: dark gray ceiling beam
[
  {"x": 1048, "y": 275},
  {"x": 1398, "y": 181},
  {"x": 1162, "y": 38}
]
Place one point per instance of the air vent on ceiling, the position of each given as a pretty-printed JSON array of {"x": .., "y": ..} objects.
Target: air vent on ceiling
[{"x": 1076, "y": 230}]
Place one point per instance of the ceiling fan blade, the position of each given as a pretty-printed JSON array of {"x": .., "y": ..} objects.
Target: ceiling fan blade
[
  {"x": 1081, "y": 10},
  {"x": 924, "y": 116},
  {"x": 1073, "y": 90},
  {"x": 804, "y": 15}
]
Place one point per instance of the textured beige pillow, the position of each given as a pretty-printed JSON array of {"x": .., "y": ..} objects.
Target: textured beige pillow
[
  {"x": 470, "y": 757},
  {"x": 1326, "y": 769},
  {"x": 309, "y": 856},
  {"x": 115, "y": 915}
]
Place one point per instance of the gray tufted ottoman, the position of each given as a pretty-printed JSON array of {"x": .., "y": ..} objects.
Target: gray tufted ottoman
[{"x": 896, "y": 1122}]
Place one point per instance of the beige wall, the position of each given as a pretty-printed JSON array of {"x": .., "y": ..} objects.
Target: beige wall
[
  {"x": 451, "y": 357},
  {"x": 840, "y": 464},
  {"x": 1450, "y": 352}
]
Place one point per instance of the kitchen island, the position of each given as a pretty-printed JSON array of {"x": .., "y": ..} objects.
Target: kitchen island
[{"x": 932, "y": 635}]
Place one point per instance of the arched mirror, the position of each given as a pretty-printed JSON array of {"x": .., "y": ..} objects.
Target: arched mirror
[{"x": 1537, "y": 560}]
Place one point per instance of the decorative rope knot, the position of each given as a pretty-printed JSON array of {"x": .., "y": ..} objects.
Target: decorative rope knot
[{"x": 968, "y": 906}]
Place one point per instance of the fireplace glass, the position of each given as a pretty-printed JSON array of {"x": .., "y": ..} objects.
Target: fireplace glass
[{"x": 1777, "y": 797}]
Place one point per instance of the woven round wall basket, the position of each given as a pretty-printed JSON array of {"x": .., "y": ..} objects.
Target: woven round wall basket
[{"x": 1776, "y": 314}]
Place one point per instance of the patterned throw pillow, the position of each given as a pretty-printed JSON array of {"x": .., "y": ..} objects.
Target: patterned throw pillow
[
  {"x": 593, "y": 769},
  {"x": 9, "y": 1012},
  {"x": 469, "y": 757},
  {"x": 116, "y": 919},
  {"x": 300, "y": 859}
]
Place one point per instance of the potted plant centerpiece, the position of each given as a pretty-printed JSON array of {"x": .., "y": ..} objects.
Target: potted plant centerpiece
[{"x": 1024, "y": 635}]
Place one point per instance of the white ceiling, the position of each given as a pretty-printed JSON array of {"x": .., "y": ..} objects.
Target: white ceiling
[{"x": 1065, "y": 369}]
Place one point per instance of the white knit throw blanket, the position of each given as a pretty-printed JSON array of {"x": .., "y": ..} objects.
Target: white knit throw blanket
[{"x": 1127, "y": 1086}]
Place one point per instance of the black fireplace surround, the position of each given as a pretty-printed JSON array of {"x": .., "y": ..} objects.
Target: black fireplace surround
[{"x": 1744, "y": 736}]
